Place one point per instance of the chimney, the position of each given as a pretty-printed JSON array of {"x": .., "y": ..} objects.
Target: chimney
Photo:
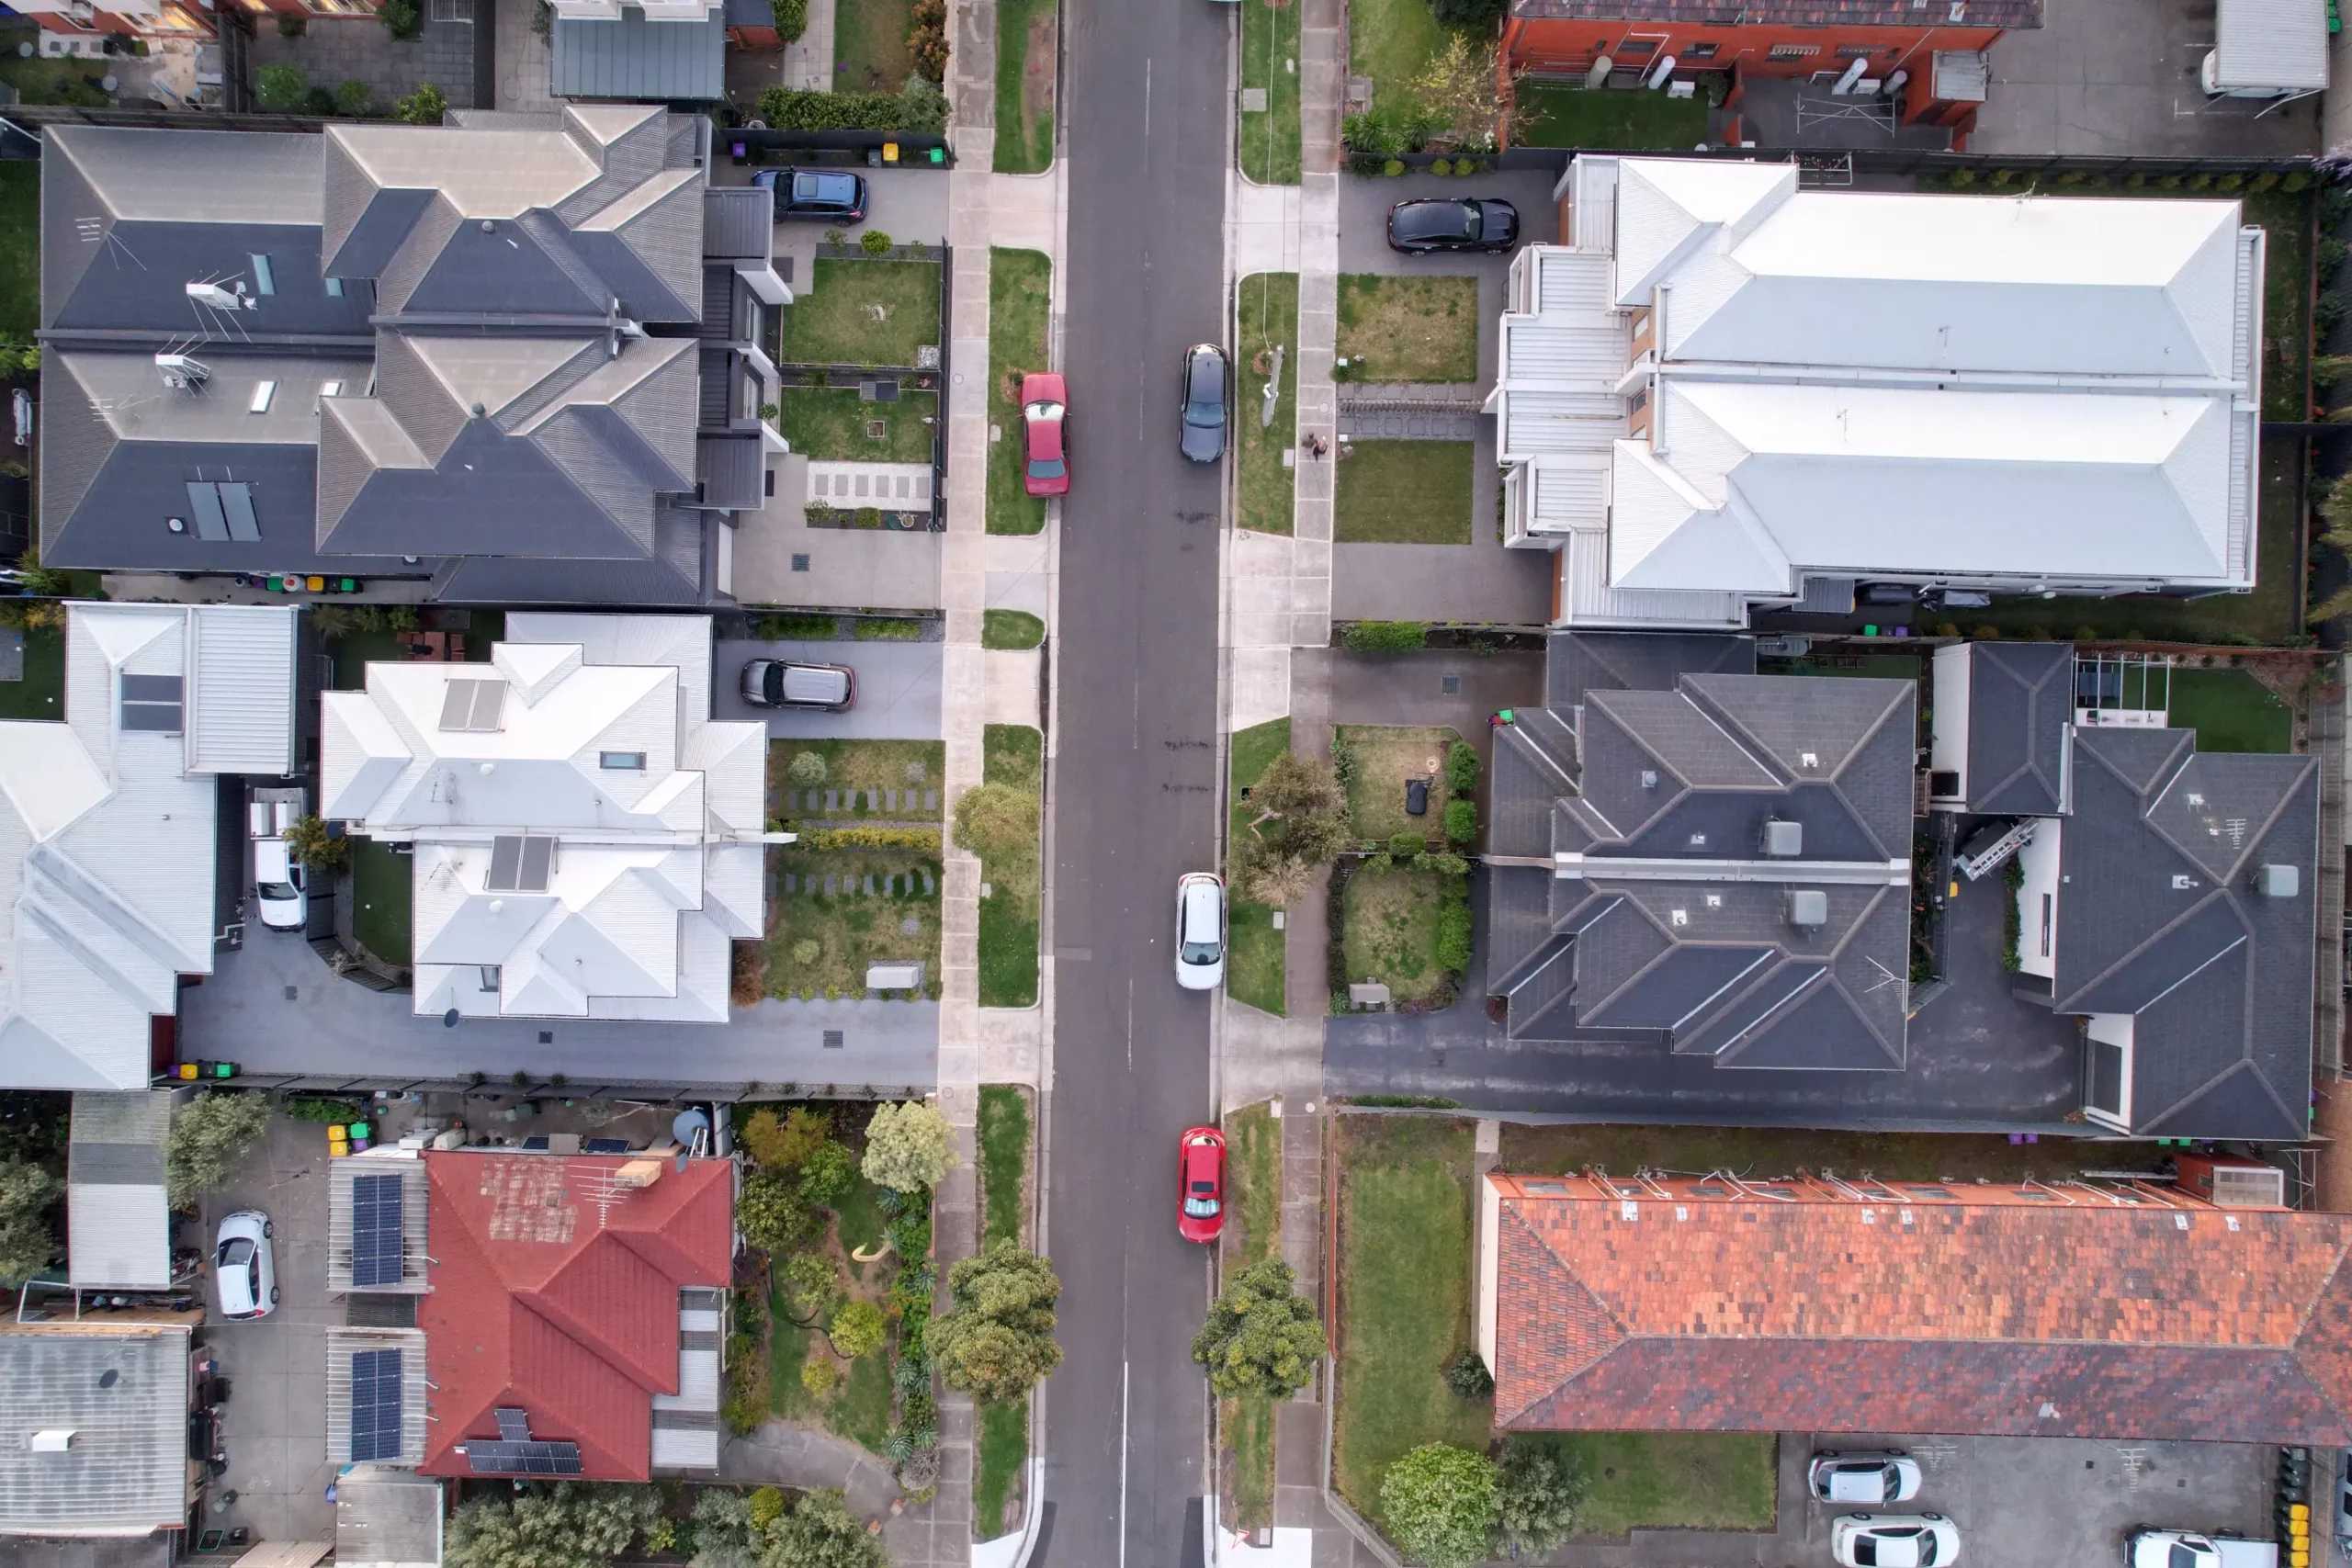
[
  {"x": 2278, "y": 881},
  {"x": 1808, "y": 909}
]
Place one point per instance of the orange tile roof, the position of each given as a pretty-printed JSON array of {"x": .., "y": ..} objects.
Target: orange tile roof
[
  {"x": 546, "y": 1300},
  {"x": 2042, "y": 1311}
]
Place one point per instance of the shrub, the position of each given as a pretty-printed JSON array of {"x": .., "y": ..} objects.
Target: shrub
[
  {"x": 817, "y": 1376},
  {"x": 807, "y": 951},
  {"x": 318, "y": 101},
  {"x": 927, "y": 39},
  {"x": 307, "y": 838},
  {"x": 1408, "y": 844},
  {"x": 1538, "y": 1490},
  {"x": 423, "y": 107},
  {"x": 324, "y": 1111},
  {"x": 2086, "y": 634},
  {"x": 789, "y": 108},
  {"x": 1393, "y": 167},
  {"x": 1987, "y": 634},
  {"x": 1461, "y": 822},
  {"x": 884, "y": 628},
  {"x": 857, "y": 1329},
  {"x": 825, "y": 1176},
  {"x": 570, "y": 1525},
  {"x": 28, "y": 1246},
  {"x": 1387, "y": 636},
  {"x": 1439, "y": 1502},
  {"x": 770, "y": 1213},
  {"x": 782, "y": 1145},
  {"x": 922, "y": 107},
  {"x": 908, "y": 1147},
  {"x": 810, "y": 1284},
  {"x": 925, "y": 839},
  {"x": 820, "y": 1532},
  {"x": 1462, "y": 768},
  {"x": 876, "y": 243},
  {"x": 766, "y": 1507},
  {"x": 282, "y": 86},
  {"x": 1453, "y": 933},
  {"x": 807, "y": 769},
  {"x": 1442, "y": 864},
  {"x": 1467, "y": 1377},
  {"x": 209, "y": 1135},
  {"x": 354, "y": 97},
  {"x": 998, "y": 822},
  {"x": 797, "y": 628},
  {"x": 404, "y": 19},
  {"x": 1442, "y": 167},
  {"x": 791, "y": 19}
]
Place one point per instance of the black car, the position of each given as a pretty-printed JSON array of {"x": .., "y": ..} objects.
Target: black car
[
  {"x": 1204, "y": 385},
  {"x": 833, "y": 196},
  {"x": 1453, "y": 223}
]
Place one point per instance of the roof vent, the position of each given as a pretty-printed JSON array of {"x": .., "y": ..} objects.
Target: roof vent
[
  {"x": 51, "y": 1442},
  {"x": 2278, "y": 881},
  {"x": 1808, "y": 909},
  {"x": 1783, "y": 840},
  {"x": 1649, "y": 778}
]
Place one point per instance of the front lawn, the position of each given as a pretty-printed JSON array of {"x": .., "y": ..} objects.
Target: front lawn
[
  {"x": 1004, "y": 1162},
  {"x": 1391, "y": 41},
  {"x": 834, "y": 424},
  {"x": 1386, "y": 757},
  {"x": 1025, "y": 50},
  {"x": 864, "y": 313},
  {"x": 1391, "y": 931},
  {"x": 380, "y": 900},
  {"x": 1011, "y": 630},
  {"x": 19, "y": 249},
  {"x": 1760, "y": 1153},
  {"x": 1253, "y": 957},
  {"x": 1562, "y": 116},
  {"x": 833, "y": 912},
  {"x": 1002, "y": 1448},
  {"x": 870, "y": 45},
  {"x": 1408, "y": 329},
  {"x": 1253, "y": 1185},
  {"x": 1268, "y": 150},
  {"x": 1268, "y": 308},
  {"x": 1719, "y": 1481},
  {"x": 891, "y": 781},
  {"x": 1012, "y": 754},
  {"x": 1021, "y": 288},
  {"x": 41, "y": 694},
  {"x": 1404, "y": 493},
  {"x": 1404, "y": 1307},
  {"x": 2231, "y": 711}
]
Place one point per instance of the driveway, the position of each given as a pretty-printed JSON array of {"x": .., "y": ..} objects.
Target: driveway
[
  {"x": 1433, "y": 687},
  {"x": 275, "y": 1428},
  {"x": 898, "y": 690},
  {"x": 277, "y": 1009}
]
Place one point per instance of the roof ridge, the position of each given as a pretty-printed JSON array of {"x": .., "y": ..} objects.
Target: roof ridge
[
  {"x": 2253, "y": 840},
  {"x": 2131, "y": 955}
]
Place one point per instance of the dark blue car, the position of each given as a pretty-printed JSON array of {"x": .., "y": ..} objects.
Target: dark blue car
[{"x": 832, "y": 196}]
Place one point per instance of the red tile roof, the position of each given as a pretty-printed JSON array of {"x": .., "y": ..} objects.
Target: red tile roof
[
  {"x": 2037, "y": 1312},
  {"x": 546, "y": 1300}
]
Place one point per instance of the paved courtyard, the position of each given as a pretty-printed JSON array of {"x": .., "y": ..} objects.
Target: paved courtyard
[{"x": 335, "y": 50}]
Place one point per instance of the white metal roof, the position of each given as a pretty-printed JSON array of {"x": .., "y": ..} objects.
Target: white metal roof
[
  {"x": 117, "y": 1217},
  {"x": 2280, "y": 44},
  {"x": 241, "y": 689},
  {"x": 656, "y": 864}
]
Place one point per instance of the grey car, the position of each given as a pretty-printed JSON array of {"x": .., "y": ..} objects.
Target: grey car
[{"x": 1204, "y": 388}]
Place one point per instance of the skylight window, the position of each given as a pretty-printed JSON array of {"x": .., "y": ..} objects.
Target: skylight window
[
  {"x": 473, "y": 705},
  {"x": 520, "y": 863}
]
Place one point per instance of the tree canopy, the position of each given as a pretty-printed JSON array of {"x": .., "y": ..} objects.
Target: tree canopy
[
  {"x": 1261, "y": 1337},
  {"x": 997, "y": 1340},
  {"x": 909, "y": 1146}
]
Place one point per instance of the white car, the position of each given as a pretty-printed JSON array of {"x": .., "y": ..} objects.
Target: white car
[
  {"x": 279, "y": 886},
  {"x": 1200, "y": 932},
  {"x": 2187, "y": 1548},
  {"x": 1893, "y": 1541},
  {"x": 1887, "y": 1475},
  {"x": 243, "y": 1266}
]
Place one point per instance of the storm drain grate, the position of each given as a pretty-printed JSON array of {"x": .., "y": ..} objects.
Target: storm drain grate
[
  {"x": 800, "y": 563},
  {"x": 834, "y": 1040},
  {"x": 1450, "y": 685}
]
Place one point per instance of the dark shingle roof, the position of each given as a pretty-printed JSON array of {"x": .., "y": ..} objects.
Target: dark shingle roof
[{"x": 2020, "y": 708}]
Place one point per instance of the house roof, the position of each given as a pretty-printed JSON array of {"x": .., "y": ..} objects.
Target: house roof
[
  {"x": 556, "y": 1292},
  {"x": 2158, "y": 917},
  {"x": 657, "y": 862},
  {"x": 2020, "y": 713},
  {"x": 1776, "y": 13},
  {"x": 117, "y": 1215},
  {"x": 630, "y": 57},
  {"x": 107, "y": 845},
  {"x": 387, "y": 1519},
  {"x": 125, "y": 1472},
  {"x": 2051, "y": 1312}
]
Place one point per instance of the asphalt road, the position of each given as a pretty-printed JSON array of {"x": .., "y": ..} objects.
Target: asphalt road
[{"x": 1134, "y": 782}]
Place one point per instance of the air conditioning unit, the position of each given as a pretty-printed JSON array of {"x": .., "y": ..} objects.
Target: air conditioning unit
[{"x": 2230, "y": 1184}]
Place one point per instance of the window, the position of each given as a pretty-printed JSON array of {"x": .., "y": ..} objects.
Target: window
[
  {"x": 330, "y": 389},
  {"x": 1793, "y": 51},
  {"x": 1635, "y": 49},
  {"x": 472, "y": 705},
  {"x": 1700, "y": 50},
  {"x": 265, "y": 281},
  {"x": 152, "y": 703},
  {"x": 2047, "y": 923},
  {"x": 520, "y": 863},
  {"x": 1858, "y": 51},
  {"x": 621, "y": 761},
  {"x": 263, "y": 392},
  {"x": 771, "y": 482},
  {"x": 334, "y": 288},
  {"x": 223, "y": 510},
  {"x": 489, "y": 977}
]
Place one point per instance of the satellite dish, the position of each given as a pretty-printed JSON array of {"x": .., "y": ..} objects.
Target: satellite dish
[{"x": 449, "y": 1019}]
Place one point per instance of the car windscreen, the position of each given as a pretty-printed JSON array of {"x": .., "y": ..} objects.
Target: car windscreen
[
  {"x": 1437, "y": 220},
  {"x": 279, "y": 892},
  {"x": 1042, "y": 411},
  {"x": 1198, "y": 1205},
  {"x": 235, "y": 1250},
  {"x": 1047, "y": 468}
]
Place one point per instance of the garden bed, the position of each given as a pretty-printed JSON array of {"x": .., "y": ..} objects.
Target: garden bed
[
  {"x": 835, "y": 320},
  {"x": 1421, "y": 329},
  {"x": 855, "y": 770},
  {"x": 1403, "y": 493},
  {"x": 1253, "y": 1196},
  {"x": 834, "y": 425},
  {"x": 1391, "y": 931},
  {"x": 1761, "y": 1153},
  {"x": 19, "y": 249},
  {"x": 1021, "y": 287},
  {"x": 1385, "y": 758},
  {"x": 1267, "y": 305},
  {"x": 1006, "y": 1195},
  {"x": 819, "y": 943},
  {"x": 1268, "y": 146},
  {"x": 1012, "y": 754},
  {"x": 1254, "y": 966}
]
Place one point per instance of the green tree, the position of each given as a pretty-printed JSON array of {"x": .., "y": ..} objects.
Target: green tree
[
  {"x": 570, "y": 1525},
  {"x": 999, "y": 823},
  {"x": 770, "y": 1213},
  {"x": 307, "y": 837},
  {"x": 997, "y": 1338},
  {"x": 807, "y": 769},
  {"x": 875, "y": 243},
  {"x": 811, "y": 1284},
  {"x": 282, "y": 86},
  {"x": 209, "y": 1135},
  {"x": 1261, "y": 1337},
  {"x": 820, "y": 1532},
  {"x": 791, "y": 18},
  {"x": 19, "y": 359},
  {"x": 1439, "y": 1502},
  {"x": 922, "y": 107},
  {"x": 909, "y": 1146},
  {"x": 722, "y": 1529},
  {"x": 423, "y": 107},
  {"x": 857, "y": 1329},
  {"x": 27, "y": 1244},
  {"x": 826, "y": 1175},
  {"x": 1300, "y": 825},
  {"x": 1538, "y": 1490}
]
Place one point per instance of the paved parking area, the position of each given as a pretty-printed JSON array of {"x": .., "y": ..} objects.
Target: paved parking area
[
  {"x": 898, "y": 690},
  {"x": 274, "y": 1426}
]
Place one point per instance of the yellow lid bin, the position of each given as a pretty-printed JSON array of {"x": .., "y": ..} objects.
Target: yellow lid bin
[{"x": 338, "y": 1147}]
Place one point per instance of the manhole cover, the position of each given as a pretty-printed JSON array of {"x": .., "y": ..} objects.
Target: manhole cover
[
  {"x": 877, "y": 430},
  {"x": 832, "y": 1040},
  {"x": 1451, "y": 685},
  {"x": 800, "y": 563}
]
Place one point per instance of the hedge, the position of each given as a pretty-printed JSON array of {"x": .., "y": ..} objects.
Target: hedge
[
  {"x": 787, "y": 110},
  {"x": 923, "y": 839},
  {"x": 791, "y": 19},
  {"x": 1387, "y": 636}
]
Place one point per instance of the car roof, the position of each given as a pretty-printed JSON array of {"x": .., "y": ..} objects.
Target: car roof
[
  {"x": 272, "y": 861},
  {"x": 1202, "y": 900},
  {"x": 814, "y": 683}
]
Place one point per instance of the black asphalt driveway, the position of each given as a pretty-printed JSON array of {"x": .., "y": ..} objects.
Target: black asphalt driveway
[{"x": 1134, "y": 781}]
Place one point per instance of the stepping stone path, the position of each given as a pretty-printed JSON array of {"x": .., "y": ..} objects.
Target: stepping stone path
[
  {"x": 931, "y": 800},
  {"x": 869, "y": 881},
  {"x": 890, "y": 798},
  {"x": 926, "y": 882},
  {"x": 787, "y": 882},
  {"x": 914, "y": 772},
  {"x": 909, "y": 926},
  {"x": 828, "y": 884},
  {"x": 828, "y": 800}
]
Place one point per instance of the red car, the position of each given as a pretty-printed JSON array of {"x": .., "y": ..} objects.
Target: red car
[
  {"x": 1200, "y": 1184},
  {"x": 1044, "y": 434}
]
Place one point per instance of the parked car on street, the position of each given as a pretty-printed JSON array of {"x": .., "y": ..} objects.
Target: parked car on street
[
  {"x": 2187, "y": 1549},
  {"x": 281, "y": 886},
  {"x": 1893, "y": 1541},
  {"x": 1452, "y": 223},
  {"x": 830, "y": 195},
  {"x": 1887, "y": 1476},
  {"x": 1200, "y": 1184},
  {"x": 1200, "y": 932},
  {"x": 1204, "y": 388},
  {"x": 243, "y": 1268},
  {"x": 1044, "y": 434},
  {"x": 787, "y": 683}
]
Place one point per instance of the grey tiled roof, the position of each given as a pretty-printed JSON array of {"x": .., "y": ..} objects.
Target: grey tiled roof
[
  {"x": 2158, "y": 917},
  {"x": 1577, "y": 663},
  {"x": 2020, "y": 707}
]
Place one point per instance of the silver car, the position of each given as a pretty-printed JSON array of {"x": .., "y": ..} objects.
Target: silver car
[
  {"x": 1200, "y": 932},
  {"x": 1888, "y": 1475},
  {"x": 787, "y": 683},
  {"x": 1893, "y": 1541}
]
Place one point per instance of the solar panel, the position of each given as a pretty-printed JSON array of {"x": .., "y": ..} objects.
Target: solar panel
[
  {"x": 375, "y": 1231},
  {"x": 489, "y": 1457},
  {"x": 375, "y": 1404},
  {"x": 513, "y": 1425}
]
